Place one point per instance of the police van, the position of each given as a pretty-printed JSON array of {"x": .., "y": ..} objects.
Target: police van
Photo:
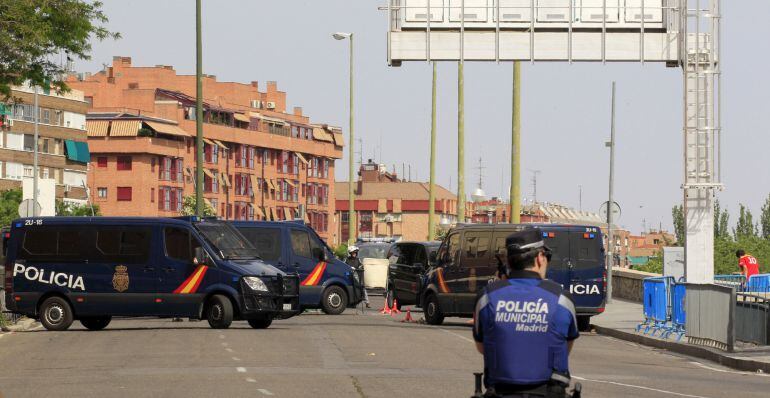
[
  {"x": 293, "y": 247},
  {"x": 60, "y": 269},
  {"x": 466, "y": 262}
]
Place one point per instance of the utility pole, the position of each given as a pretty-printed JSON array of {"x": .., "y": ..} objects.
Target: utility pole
[
  {"x": 610, "y": 203},
  {"x": 198, "y": 111},
  {"x": 432, "y": 178},
  {"x": 35, "y": 158},
  {"x": 580, "y": 197},
  {"x": 460, "y": 143},
  {"x": 515, "y": 192},
  {"x": 351, "y": 150}
]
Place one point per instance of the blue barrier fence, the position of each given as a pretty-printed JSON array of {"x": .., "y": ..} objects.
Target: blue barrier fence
[
  {"x": 759, "y": 283},
  {"x": 663, "y": 307}
]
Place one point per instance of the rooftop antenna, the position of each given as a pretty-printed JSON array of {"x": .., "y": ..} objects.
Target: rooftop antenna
[
  {"x": 534, "y": 184},
  {"x": 360, "y": 152},
  {"x": 481, "y": 169}
]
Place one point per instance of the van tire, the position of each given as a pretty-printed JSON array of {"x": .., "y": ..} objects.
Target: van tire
[
  {"x": 334, "y": 300},
  {"x": 56, "y": 314},
  {"x": 260, "y": 323},
  {"x": 433, "y": 313},
  {"x": 96, "y": 322},
  {"x": 219, "y": 312},
  {"x": 584, "y": 323}
]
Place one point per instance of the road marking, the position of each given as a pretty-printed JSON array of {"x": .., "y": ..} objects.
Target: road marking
[
  {"x": 728, "y": 371},
  {"x": 458, "y": 335},
  {"x": 229, "y": 349},
  {"x": 638, "y": 387},
  {"x": 241, "y": 370},
  {"x": 265, "y": 392},
  {"x": 250, "y": 380},
  {"x": 221, "y": 336},
  {"x": 224, "y": 344},
  {"x": 236, "y": 359}
]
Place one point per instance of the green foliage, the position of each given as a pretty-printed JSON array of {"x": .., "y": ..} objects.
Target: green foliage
[
  {"x": 764, "y": 219},
  {"x": 721, "y": 222},
  {"x": 725, "y": 261},
  {"x": 441, "y": 233},
  {"x": 34, "y": 33},
  {"x": 654, "y": 265},
  {"x": 341, "y": 251},
  {"x": 189, "y": 205},
  {"x": 9, "y": 206},
  {"x": 77, "y": 210},
  {"x": 745, "y": 228},
  {"x": 677, "y": 214}
]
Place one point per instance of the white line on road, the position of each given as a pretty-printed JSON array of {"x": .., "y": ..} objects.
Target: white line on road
[
  {"x": 639, "y": 387},
  {"x": 224, "y": 344},
  {"x": 241, "y": 370},
  {"x": 265, "y": 392},
  {"x": 236, "y": 359},
  {"x": 250, "y": 380},
  {"x": 229, "y": 349},
  {"x": 458, "y": 335},
  {"x": 728, "y": 371}
]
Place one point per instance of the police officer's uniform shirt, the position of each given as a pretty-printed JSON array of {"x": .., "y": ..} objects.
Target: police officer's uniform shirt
[{"x": 524, "y": 324}]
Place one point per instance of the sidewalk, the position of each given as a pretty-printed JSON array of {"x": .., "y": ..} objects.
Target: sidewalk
[{"x": 620, "y": 319}]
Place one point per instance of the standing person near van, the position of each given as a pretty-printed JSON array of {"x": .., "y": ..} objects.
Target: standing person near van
[
  {"x": 525, "y": 324},
  {"x": 355, "y": 262},
  {"x": 747, "y": 263}
]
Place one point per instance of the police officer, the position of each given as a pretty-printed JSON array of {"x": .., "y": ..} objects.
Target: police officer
[
  {"x": 525, "y": 324},
  {"x": 355, "y": 262}
]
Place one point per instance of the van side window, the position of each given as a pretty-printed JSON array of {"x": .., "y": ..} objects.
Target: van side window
[
  {"x": 406, "y": 256},
  {"x": 52, "y": 244},
  {"x": 266, "y": 240},
  {"x": 122, "y": 245},
  {"x": 453, "y": 250},
  {"x": 300, "y": 243},
  {"x": 476, "y": 249},
  {"x": 179, "y": 245}
]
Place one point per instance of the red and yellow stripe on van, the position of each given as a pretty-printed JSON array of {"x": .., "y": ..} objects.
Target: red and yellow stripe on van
[
  {"x": 315, "y": 276},
  {"x": 442, "y": 286},
  {"x": 190, "y": 285}
]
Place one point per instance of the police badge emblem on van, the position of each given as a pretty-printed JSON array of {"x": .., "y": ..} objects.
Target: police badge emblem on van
[{"x": 120, "y": 278}]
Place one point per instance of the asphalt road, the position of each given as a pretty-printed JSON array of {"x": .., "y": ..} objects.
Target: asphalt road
[{"x": 316, "y": 355}]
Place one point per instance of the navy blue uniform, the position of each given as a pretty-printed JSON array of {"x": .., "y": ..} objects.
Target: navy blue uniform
[{"x": 524, "y": 324}]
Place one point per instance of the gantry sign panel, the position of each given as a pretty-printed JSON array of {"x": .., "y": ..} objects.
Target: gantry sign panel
[{"x": 533, "y": 30}]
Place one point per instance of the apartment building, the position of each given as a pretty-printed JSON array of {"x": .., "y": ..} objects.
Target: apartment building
[
  {"x": 62, "y": 148},
  {"x": 260, "y": 162}
]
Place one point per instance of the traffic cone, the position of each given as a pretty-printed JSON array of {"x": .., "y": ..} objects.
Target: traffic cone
[
  {"x": 408, "y": 318},
  {"x": 395, "y": 309},
  {"x": 385, "y": 310}
]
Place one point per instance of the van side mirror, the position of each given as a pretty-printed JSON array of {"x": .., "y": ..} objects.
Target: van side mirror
[{"x": 319, "y": 254}]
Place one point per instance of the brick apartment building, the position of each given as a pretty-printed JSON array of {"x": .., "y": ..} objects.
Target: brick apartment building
[
  {"x": 62, "y": 148},
  {"x": 260, "y": 162},
  {"x": 387, "y": 207}
]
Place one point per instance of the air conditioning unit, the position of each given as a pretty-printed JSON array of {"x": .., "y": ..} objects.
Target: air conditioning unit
[
  {"x": 256, "y": 104},
  {"x": 270, "y": 105},
  {"x": 388, "y": 218}
]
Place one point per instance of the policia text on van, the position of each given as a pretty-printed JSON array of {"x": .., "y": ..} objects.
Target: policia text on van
[{"x": 60, "y": 269}]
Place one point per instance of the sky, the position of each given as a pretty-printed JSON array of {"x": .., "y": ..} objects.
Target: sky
[{"x": 565, "y": 113}]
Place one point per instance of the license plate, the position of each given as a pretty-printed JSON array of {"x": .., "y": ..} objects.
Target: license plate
[{"x": 287, "y": 307}]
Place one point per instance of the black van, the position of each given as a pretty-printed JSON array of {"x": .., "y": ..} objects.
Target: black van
[
  {"x": 466, "y": 262},
  {"x": 406, "y": 274},
  {"x": 59, "y": 269}
]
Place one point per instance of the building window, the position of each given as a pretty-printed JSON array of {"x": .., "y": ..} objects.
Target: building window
[
  {"x": 101, "y": 161},
  {"x": 152, "y": 195},
  {"x": 28, "y": 171},
  {"x": 124, "y": 193},
  {"x": 101, "y": 192},
  {"x": 29, "y": 142},
  {"x": 124, "y": 162}
]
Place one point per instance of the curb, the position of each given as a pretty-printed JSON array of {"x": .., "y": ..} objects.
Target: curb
[
  {"x": 742, "y": 364},
  {"x": 22, "y": 325}
]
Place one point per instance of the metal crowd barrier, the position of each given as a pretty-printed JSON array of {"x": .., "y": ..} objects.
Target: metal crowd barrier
[
  {"x": 736, "y": 281},
  {"x": 752, "y": 319},
  {"x": 663, "y": 308},
  {"x": 759, "y": 283},
  {"x": 710, "y": 315}
]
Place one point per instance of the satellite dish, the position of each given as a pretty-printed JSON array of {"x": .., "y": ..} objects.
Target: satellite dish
[
  {"x": 29, "y": 208},
  {"x": 479, "y": 195},
  {"x": 616, "y": 213}
]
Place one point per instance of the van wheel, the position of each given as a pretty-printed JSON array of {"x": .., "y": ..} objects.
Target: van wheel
[
  {"x": 96, "y": 322},
  {"x": 584, "y": 323},
  {"x": 56, "y": 314},
  {"x": 260, "y": 323},
  {"x": 334, "y": 300},
  {"x": 392, "y": 298},
  {"x": 219, "y": 312},
  {"x": 433, "y": 314}
]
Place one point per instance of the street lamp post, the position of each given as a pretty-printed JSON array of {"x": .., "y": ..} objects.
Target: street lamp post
[
  {"x": 198, "y": 112},
  {"x": 351, "y": 197}
]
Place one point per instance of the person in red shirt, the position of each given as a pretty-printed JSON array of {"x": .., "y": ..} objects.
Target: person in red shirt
[{"x": 747, "y": 263}]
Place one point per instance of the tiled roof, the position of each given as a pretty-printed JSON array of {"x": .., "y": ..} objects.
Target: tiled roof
[{"x": 393, "y": 190}]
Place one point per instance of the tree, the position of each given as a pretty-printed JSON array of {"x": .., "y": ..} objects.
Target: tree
[
  {"x": 721, "y": 222},
  {"x": 189, "y": 205},
  {"x": 764, "y": 220},
  {"x": 677, "y": 214},
  {"x": 34, "y": 34},
  {"x": 745, "y": 228},
  {"x": 76, "y": 210},
  {"x": 9, "y": 206}
]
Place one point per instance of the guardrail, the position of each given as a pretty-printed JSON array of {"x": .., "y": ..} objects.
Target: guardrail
[
  {"x": 710, "y": 315},
  {"x": 759, "y": 283},
  {"x": 752, "y": 319}
]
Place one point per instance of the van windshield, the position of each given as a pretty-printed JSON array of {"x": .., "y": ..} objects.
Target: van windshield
[{"x": 227, "y": 240}]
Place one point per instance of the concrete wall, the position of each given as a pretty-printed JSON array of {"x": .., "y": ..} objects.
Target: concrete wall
[{"x": 627, "y": 284}]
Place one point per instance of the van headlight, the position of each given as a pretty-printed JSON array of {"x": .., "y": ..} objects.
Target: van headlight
[{"x": 255, "y": 284}]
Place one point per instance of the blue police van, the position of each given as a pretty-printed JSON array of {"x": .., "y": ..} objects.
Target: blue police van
[
  {"x": 61, "y": 269},
  {"x": 291, "y": 246},
  {"x": 466, "y": 262}
]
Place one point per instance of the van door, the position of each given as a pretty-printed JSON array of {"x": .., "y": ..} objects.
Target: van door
[
  {"x": 559, "y": 266},
  {"x": 473, "y": 269},
  {"x": 405, "y": 276},
  {"x": 587, "y": 271},
  {"x": 449, "y": 273},
  {"x": 123, "y": 277},
  {"x": 179, "y": 276},
  {"x": 268, "y": 241},
  {"x": 310, "y": 270}
]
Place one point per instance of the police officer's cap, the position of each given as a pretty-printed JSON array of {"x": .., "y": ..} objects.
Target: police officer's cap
[{"x": 523, "y": 246}]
